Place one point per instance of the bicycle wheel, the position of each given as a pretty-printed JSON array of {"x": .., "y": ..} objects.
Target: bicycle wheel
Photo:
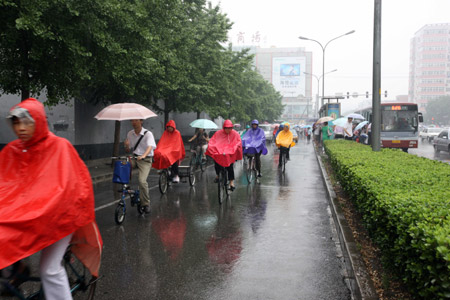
[
  {"x": 191, "y": 178},
  {"x": 226, "y": 184},
  {"x": 81, "y": 282},
  {"x": 193, "y": 161},
  {"x": 163, "y": 181},
  {"x": 283, "y": 162},
  {"x": 220, "y": 186},
  {"x": 249, "y": 170},
  {"x": 203, "y": 164},
  {"x": 119, "y": 215}
]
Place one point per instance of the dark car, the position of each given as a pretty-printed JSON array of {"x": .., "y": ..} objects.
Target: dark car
[{"x": 442, "y": 142}]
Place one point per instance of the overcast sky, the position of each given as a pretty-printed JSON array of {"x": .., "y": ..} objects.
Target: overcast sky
[{"x": 281, "y": 22}]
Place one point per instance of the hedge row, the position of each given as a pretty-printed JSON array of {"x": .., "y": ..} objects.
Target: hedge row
[{"x": 405, "y": 204}]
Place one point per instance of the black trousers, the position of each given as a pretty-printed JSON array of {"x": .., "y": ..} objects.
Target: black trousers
[
  {"x": 350, "y": 138},
  {"x": 174, "y": 168},
  {"x": 283, "y": 150},
  {"x": 229, "y": 169}
]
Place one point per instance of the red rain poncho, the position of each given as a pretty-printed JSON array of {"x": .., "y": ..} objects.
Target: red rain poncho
[
  {"x": 170, "y": 148},
  {"x": 225, "y": 148},
  {"x": 45, "y": 194}
]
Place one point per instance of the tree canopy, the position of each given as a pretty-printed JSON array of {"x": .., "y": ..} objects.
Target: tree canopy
[{"x": 167, "y": 54}]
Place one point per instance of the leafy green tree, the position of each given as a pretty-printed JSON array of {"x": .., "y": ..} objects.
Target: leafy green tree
[{"x": 438, "y": 111}]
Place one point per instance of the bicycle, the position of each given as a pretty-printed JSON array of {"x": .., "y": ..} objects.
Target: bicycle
[
  {"x": 250, "y": 168},
  {"x": 222, "y": 184},
  {"x": 283, "y": 159},
  {"x": 197, "y": 159},
  {"x": 30, "y": 287},
  {"x": 122, "y": 175},
  {"x": 165, "y": 176}
]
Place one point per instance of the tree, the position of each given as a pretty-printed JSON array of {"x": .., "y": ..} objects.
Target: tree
[{"x": 439, "y": 110}]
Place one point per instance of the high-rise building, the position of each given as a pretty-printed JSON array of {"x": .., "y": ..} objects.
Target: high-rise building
[
  {"x": 429, "y": 68},
  {"x": 285, "y": 68}
]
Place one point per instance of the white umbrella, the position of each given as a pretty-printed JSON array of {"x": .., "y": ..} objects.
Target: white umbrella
[
  {"x": 355, "y": 116},
  {"x": 360, "y": 125},
  {"x": 324, "y": 119},
  {"x": 203, "y": 123},
  {"x": 125, "y": 111},
  {"x": 340, "y": 122}
]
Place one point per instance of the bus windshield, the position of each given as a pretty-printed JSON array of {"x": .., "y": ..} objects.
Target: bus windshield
[{"x": 398, "y": 120}]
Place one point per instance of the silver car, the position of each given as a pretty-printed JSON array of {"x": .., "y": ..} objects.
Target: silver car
[{"x": 442, "y": 142}]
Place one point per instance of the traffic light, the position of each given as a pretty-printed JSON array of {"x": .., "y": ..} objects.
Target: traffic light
[
  {"x": 367, "y": 94},
  {"x": 385, "y": 93},
  {"x": 348, "y": 95}
]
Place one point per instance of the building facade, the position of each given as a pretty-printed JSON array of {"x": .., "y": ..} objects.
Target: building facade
[
  {"x": 285, "y": 68},
  {"x": 429, "y": 68}
]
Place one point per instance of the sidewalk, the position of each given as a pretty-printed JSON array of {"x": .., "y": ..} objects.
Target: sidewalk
[{"x": 100, "y": 169}]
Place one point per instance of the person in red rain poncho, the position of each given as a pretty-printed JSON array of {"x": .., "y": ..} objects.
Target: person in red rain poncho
[
  {"x": 225, "y": 147},
  {"x": 170, "y": 150},
  {"x": 46, "y": 201}
]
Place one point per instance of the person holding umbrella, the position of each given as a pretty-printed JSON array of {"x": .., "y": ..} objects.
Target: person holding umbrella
[
  {"x": 142, "y": 142},
  {"x": 169, "y": 151},
  {"x": 348, "y": 129},
  {"x": 201, "y": 141},
  {"x": 225, "y": 147}
]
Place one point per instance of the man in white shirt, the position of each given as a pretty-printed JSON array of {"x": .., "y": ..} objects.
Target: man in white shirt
[
  {"x": 143, "y": 144},
  {"x": 348, "y": 129}
]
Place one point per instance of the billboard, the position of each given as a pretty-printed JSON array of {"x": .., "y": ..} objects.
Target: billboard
[{"x": 288, "y": 77}]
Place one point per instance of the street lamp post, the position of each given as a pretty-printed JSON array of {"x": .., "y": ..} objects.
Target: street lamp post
[
  {"x": 323, "y": 56},
  {"x": 318, "y": 86}
]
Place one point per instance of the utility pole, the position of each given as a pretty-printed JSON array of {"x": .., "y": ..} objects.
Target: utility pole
[{"x": 376, "y": 84}]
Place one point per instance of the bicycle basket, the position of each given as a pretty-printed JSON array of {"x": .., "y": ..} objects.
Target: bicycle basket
[{"x": 122, "y": 171}]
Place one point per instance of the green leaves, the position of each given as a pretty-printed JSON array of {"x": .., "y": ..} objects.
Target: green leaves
[{"x": 405, "y": 203}]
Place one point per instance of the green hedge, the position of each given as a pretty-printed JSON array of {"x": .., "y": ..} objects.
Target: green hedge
[{"x": 405, "y": 204}]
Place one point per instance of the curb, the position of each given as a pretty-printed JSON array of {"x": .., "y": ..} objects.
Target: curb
[{"x": 360, "y": 283}]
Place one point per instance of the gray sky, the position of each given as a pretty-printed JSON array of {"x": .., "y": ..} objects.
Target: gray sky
[{"x": 280, "y": 22}]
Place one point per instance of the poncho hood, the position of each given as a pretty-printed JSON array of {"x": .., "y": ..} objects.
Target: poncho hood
[
  {"x": 170, "y": 148},
  {"x": 45, "y": 194},
  {"x": 225, "y": 148}
]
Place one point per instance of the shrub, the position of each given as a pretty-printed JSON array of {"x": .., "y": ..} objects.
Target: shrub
[{"x": 405, "y": 204}]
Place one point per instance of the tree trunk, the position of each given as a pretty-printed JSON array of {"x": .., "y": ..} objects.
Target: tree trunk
[{"x": 198, "y": 115}]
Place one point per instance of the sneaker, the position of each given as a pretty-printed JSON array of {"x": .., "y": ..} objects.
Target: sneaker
[
  {"x": 259, "y": 174},
  {"x": 232, "y": 187},
  {"x": 147, "y": 209},
  {"x": 176, "y": 179}
]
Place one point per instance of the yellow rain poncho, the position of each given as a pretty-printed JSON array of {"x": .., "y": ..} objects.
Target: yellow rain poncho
[{"x": 285, "y": 138}]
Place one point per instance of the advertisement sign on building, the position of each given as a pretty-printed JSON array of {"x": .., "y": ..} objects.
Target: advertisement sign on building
[{"x": 288, "y": 77}]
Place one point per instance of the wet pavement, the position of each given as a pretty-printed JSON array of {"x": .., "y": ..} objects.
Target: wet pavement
[
  {"x": 270, "y": 240},
  {"x": 425, "y": 149}
]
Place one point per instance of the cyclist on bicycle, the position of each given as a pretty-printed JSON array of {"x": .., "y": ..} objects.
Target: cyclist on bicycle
[
  {"x": 201, "y": 141},
  {"x": 47, "y": 201},
  {"x": 284, "y": 141},
  {"x": 254, "y": 142},
  {"x": 169, "y": 151},
  {"x": 225, "y": 147},
  {"x": 247, "y": 127}
]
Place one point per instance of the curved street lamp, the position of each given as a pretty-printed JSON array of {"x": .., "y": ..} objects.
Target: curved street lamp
[
  {"x": 318, "y": 84},
  {"x": 323, "y": 56}
]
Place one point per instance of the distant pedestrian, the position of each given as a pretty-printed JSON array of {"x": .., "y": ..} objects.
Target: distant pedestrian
[
  {"x": 348, "y": 129},
  {"x": 338, "y": 132}
]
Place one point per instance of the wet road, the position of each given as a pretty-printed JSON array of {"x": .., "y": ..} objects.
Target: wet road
[
  {"x": 425, "y": 149},
  {"x": 272, "y": 240}
]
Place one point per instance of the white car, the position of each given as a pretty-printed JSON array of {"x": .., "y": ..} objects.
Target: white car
[
  {"x": 429, "y": 134},
  {"x": 267, "y": 131}
]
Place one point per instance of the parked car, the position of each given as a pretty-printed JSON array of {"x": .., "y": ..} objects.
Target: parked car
[
  {"x": 429, "y": 133},
  {"x": 267, "y": 131},
  {"x": 442, "y": 142}
]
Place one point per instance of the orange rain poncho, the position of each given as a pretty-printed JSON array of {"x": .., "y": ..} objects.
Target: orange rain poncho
[
  {"x": 285, "y": 138},
  {"x": 225, "y": 148},
  {"x": 45, "y": 194},
  {"x": 170, "y": 148}
]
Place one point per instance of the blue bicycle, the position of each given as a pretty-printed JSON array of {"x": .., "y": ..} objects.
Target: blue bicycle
[{"x": 122, "y": 175}]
